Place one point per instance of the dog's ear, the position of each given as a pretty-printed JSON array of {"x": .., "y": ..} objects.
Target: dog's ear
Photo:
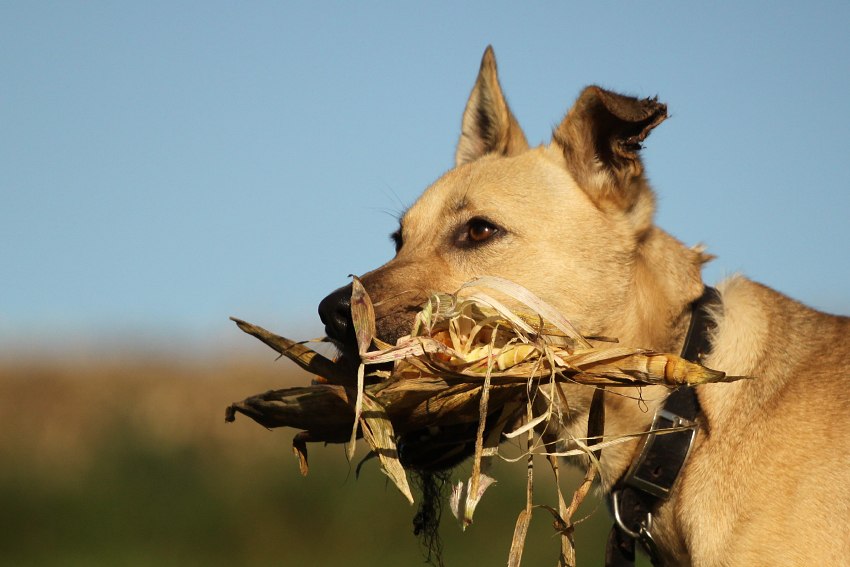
[
  {"x": 488, "y": 124},
  {"x": 600, "y": 138}
]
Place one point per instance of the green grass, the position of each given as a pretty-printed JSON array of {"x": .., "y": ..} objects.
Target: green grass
[{"x": 122, "y": 492}]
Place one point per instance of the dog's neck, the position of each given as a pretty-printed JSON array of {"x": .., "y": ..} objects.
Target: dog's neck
[
  {"x": 665, "y": 281},
  {"x": 656, "y": 316}
]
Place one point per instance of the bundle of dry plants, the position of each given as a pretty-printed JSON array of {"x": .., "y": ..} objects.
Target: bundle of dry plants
[{"x": 467, "y": 360}]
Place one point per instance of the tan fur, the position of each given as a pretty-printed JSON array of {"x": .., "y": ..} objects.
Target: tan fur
[
  {"x": 498, "y": 131},
  {"x": 768, "y": 482}
]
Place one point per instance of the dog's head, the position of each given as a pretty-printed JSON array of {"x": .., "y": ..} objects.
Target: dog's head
[{"x": 571, "y": 221}]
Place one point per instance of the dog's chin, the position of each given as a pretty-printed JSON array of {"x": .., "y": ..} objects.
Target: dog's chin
[{"x": 346, "y": 358}]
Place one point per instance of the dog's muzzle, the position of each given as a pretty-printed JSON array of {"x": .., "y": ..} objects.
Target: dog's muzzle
[
  {"x": 429, "y": 450},
  {"x": 335, "y": 313}
]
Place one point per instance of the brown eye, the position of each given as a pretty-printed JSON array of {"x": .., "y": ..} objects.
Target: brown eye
[
  {"x": 480, "y": 230},
  {"x": 477, "y": 231}
]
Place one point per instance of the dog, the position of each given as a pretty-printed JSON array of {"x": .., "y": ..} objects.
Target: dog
[{"x": 767, "y": 481}]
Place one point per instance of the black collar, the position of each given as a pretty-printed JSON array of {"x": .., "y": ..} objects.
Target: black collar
[
  {"x": 652, "y": 476},
  {"x": 697, "y": 345},
  {"x": 683, "y": 401}
]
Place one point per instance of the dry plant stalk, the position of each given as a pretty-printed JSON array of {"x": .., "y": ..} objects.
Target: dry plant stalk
[{"x": 465, "y": 359}]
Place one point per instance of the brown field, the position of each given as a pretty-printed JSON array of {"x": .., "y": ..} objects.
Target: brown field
[{"x": 128, "y": 462}]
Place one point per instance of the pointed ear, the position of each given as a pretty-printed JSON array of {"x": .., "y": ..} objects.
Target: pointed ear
[
  {"x": 488, "y": 125},
  {"x": 600, "y": 139}
]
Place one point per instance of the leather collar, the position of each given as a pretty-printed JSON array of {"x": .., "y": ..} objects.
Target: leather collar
[
  {"x": 697, "y": 345},
  {"x": 652, "y": 476}
]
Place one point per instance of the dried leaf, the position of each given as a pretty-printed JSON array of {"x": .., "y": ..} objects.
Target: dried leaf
[
  {"x": 595, "y": 432},
  {"x": 358, "y": 409},
  {"x": 516, "y": 321},
  {"x": 321, "y": 408},
  {"x": 465, "y": 498},
  {"x": 306, "y": 358},
  {"x": 567, "y": 557},
  {"x": 407, "y": 347},
  {"x": 536, "y": 304},
  {"x": 363, "y": 318},
  {"x": 518, "y": 541},
  {"x": 609, "y": 442},
  {"x": 521, "y": 529},
  {"x": 530, "y": 425},
  {"x": 299, "y": 447},
  {"x": 473, "y": 492},
  {"x": 378, "y": 431},
  {"x": 362, "y": 315}
]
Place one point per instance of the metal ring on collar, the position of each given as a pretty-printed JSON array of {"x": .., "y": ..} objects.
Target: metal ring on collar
[{"x": 646, "y": 526}]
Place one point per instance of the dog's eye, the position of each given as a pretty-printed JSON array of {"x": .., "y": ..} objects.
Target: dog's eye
[
  {"x": 397, "y": 240},
  {"x": 479, "y": 230}
]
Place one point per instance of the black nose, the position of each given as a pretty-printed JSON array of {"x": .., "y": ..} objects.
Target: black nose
[{"x": 335, "y": 312}]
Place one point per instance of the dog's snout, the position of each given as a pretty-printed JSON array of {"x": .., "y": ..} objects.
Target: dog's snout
[{"x": 335, "y": 313}]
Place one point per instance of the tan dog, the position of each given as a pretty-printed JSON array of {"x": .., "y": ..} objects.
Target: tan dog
[{"x": 768, "y": 480}]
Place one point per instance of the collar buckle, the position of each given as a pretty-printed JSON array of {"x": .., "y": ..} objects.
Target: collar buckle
[{"x": 664, "y": 453}]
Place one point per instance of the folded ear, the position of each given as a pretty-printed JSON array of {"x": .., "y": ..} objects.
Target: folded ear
[
  {"x": 600, "y": 138},
  {"x": 488, "y": 125}
]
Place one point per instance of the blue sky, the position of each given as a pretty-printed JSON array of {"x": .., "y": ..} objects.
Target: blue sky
[{"x": 164, "y": 166}]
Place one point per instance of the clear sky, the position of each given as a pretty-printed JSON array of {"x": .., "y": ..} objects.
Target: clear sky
[{"x": 164, "y": 166}]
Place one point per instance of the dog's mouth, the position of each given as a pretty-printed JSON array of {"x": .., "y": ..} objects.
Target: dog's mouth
[
  {"x": 339, "y": 331},
  {"x": 348, "y": 360},
  {"x": 431, "y": 449},
  {"x": 427, "y": 450}
]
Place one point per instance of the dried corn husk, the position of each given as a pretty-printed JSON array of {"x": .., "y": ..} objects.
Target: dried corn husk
[{"x": 465, "y": 358}]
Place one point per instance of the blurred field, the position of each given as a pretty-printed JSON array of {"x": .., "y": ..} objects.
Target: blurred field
[{"x": 129, "y": 462}]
